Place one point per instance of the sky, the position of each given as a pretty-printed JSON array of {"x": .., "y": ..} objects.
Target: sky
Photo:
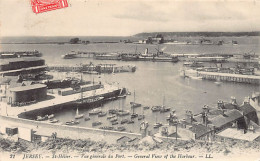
[{"x": 126, "y": 18}]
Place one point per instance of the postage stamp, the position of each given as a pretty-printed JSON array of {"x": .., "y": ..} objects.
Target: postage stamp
[{"x": 39, "y": 6}]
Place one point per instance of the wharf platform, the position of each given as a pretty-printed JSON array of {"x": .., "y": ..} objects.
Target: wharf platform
[
  {"x": 217, "y": 76},
  {"x": 56, "y": 101},
  {"x": 23, "y": 70},
  {"x": 252, "y": 79}
]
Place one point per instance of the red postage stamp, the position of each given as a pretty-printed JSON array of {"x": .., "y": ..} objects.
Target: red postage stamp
[{"x": 39, "y": 6}]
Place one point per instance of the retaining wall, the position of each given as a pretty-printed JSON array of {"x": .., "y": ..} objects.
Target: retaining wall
[{"x": 71, "y": 132}]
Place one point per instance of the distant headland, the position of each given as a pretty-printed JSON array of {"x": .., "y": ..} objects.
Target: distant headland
[{"x": 193, "y": 34}]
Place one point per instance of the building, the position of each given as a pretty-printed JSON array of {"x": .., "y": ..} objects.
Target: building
[
  {"x": 16, "y": 66},
  {"x": 255, "y": 101},
  {"x": 231, "y": 118},
  {"x": 249, "y": 112},
  {"x": 23, "y": 94}
]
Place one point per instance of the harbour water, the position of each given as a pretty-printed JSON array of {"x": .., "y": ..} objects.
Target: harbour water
[{"x": 152, "y": 81}]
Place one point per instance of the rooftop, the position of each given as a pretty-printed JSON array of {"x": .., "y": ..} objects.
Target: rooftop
[
  {"x": 247, "y": 108},
  {"x": 25, "y": 88},
  {"x": 228, "y": 117},
  {"x": 199, "y": 129},
  {"x": 233, "y": 133},
  {"x": 7, "y": 61}
]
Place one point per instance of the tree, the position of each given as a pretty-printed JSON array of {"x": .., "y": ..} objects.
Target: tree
[{"x": 74, "y": 40}]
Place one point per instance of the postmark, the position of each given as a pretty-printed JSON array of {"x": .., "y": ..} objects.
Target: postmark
[{"x": 39, "y": 6}]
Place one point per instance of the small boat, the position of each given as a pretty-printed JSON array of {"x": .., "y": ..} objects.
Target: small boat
[
  {"x": 111, "y": 116},
  {"x": 120, "y": 128},
  {"x": 40, "y": 118},
  {"x": 106, "y": 128},
  {"x": 54, "y": 121},
  {"x": 146, "y": 107},
  {"x": 113, "y": 120},
  {"x": 90, "y": 72},
  {"x": 96, "y": 123},
  {"x": 51, "y": 116},
  {"x": 113, "y": 111},
  {"x": 122, "y": 96},
  {"x": 140, "y": 117},
  {"x": 111, "y": 98},
  {"x": 123, "y": 113},
  {"x": 157, "y": 125},
  {"x": 72, "y": 122},
  {"x": 193, "y": 64},
  {"x": 156, "y": 108},
  {"x": 124, "y": 121},
  {"x": 130, "y": 122},
  {"x": 218, "y": 83},
  {"x": 102, "y": 114},
  {"x": 87, "y": 118},
  {"x": 78, "y": 116},
  {"x": 133, "y": 104},
  {"x": 115, "y": 123},
  {"x": 134, "y": 115},
  {"x": 196, "y": 78},
  {"x": 165, "y": 109},
  {"x": 95, "y": 111}
]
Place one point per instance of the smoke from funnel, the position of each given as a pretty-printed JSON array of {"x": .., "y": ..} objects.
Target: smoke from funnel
[{"x": 146, "y": 51}]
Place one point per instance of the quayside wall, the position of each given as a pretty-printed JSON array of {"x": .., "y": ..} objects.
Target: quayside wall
[{"x": 64, "y": 131}]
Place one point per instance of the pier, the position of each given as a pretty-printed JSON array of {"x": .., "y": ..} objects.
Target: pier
[
  {"x": 252, "y": 79},
  {"x": 94, "y": 69},
  {"x": 56, "y": 102}
]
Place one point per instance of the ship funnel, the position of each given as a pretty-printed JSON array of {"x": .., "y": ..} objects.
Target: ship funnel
[{"x": 146, "y": 51}]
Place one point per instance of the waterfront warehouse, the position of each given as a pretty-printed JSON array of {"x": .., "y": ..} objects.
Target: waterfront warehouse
[{"x": 27, "y": 93}]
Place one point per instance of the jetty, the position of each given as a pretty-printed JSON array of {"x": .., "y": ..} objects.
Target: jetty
[
  {"x": 217, "y": 76},
  {"x": 94, "y": 69},
  {"x": 57, "y": 101}
]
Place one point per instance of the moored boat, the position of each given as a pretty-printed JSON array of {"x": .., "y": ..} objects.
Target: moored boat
[
  {"x": 124, "y": 121},
  {"x": 96, "y": 123},
  {"x": 130, "y": 121},
  {"x": 120, "y": 128},
  {"x": 102, "y": 114},
  {"x": 72, "y": 122},
  {"x": 156, "y": 108},
  {"x": 140, "y": 117},
  {"x": 123, "y": 113},
  {"x": 114, "y": 122},
  {"x": 78, "y": 116},
  {"x": 95, "y": 111},
  {"x": 134, "y": 115},
  {"x": 133, "y": 104},
  {"x": 111, "y": 116},
  {"x": 40, "y": 118},
  {"x": 106, "y": 128},
  {"x": 165, "y": 109},
  {"x": 157, "y": 125},
  {"x": 146, "y": 107},
  {"x": 51, "y": 116},
  {"x": 54, "y": 121},
  {"x": 87, "y": 118}
]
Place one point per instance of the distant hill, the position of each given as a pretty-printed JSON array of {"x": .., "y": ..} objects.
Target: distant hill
[{"x": 193, "y": 34}]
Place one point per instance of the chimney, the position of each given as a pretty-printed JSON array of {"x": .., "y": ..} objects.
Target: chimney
[
  {"x": 220, "y": 104},
  {"x": 233, "y": 100},
  {"x": 246, "y": 100},
  {"x": 143, "y": 129},
  {"x": 204, "y": 118},
  {"x": 189, "y": 117}
]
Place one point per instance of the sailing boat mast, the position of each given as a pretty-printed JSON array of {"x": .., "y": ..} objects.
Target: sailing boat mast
[
  {"x": 77, "y": 112},
  {"x": 135, "y": 49}
]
